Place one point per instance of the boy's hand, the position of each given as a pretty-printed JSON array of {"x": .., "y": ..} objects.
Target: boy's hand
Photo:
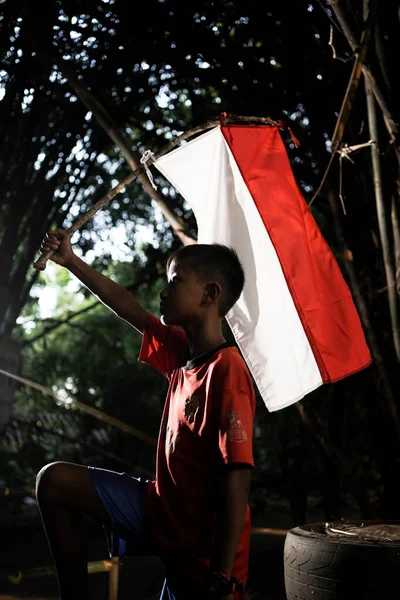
[
  {"x": 59, "y": 242},
  {"x": 219, "y": 586}
]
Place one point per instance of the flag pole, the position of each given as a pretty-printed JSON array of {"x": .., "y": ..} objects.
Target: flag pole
[{"x": 40, "y": 264}]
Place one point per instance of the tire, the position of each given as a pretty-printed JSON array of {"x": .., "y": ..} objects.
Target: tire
[{"x": 320, "y": 567}]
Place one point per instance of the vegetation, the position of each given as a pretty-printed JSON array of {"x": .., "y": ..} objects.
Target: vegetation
[{"x": 85, "y": 89}]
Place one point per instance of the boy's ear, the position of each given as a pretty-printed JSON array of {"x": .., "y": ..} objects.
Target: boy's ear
[{"x": 212, "y": 291}]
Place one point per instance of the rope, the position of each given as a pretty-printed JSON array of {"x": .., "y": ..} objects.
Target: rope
[{"x": 148, "y": 155}]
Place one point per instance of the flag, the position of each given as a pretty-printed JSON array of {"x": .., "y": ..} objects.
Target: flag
[{"x": 295, "y": 323}]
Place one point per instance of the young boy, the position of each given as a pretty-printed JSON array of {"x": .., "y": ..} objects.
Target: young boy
[{"x": 195, "y": 515}]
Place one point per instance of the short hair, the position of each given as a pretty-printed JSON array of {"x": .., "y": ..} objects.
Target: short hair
[{"x": 215, "y": 262}]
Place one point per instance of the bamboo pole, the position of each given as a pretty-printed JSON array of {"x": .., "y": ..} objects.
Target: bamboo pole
[
  {"x": 40, "y": 264},
  {"x": 354, "y": 80},
  {"x": 141, "y": 435},
  {"x": 396, "y": 240},
  {"x": 348, "y": 99},
  {"x": 382, "y": 218},
  {"x": 391, "y": 122},
  {"x": 364, "y": 313}
]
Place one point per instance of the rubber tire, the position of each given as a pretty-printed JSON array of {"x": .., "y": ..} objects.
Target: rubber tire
[{"x": 320, "y": 567}]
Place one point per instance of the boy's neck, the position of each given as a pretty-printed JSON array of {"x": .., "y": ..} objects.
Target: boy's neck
[{"x": 203, "y": 338}]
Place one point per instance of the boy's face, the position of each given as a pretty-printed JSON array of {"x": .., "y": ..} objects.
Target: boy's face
[{"x": 183, "y": 298}]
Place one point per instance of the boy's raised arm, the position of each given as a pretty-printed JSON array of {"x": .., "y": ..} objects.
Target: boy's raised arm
[{"x": 113, "y": 295}]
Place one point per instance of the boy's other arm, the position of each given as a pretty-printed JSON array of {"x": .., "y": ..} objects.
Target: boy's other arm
[
  {"x": 113, "y": 295},
  {"x": 234, "y": 494}
]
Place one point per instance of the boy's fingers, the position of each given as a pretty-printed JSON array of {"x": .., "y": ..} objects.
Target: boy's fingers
[
  {"x": 49, "y": 246},
  {"x": 51, "y": 240},
  {"x": 58, "y": 234},
  {"x": 61, "y": 234}
]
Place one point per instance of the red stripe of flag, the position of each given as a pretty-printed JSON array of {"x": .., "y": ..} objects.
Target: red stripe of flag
[{"x": 319, "y": 292}]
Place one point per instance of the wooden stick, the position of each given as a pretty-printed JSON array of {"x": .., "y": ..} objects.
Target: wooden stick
[
  {"x": 40, "y": 264},
  {"x": 113, "y": 577}
]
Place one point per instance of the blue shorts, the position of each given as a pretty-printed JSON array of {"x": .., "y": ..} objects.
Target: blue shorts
[{"x": 124, "y": 498}]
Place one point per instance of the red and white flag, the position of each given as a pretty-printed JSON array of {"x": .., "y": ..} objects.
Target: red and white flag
[{"x": 295, "y": 323}]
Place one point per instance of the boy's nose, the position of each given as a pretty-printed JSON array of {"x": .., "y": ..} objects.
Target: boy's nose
[{"x": 163, "y": 293}]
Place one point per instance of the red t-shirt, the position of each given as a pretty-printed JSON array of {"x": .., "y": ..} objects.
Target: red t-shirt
[{"x": 207, "y": 423}]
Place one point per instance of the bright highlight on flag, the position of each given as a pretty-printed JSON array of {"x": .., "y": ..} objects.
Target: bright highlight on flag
[{"x": 295, "y": 323}]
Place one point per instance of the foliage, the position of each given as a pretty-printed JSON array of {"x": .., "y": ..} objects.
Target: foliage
[{"x": 178, "y": 64}]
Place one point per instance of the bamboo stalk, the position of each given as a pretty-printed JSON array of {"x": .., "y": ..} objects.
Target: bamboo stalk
[
  {"x": 348, "y": 99},
  {"x": 391, "y": 123},
  {"x": 396, "y": 240},
  {"x": 354, "y": 80},
  {"x": 363, "y": 311},
  {"x": 141, "y": 435},
  {"x": 382, "y": 223},
  {"x": 40, "y": 264}
]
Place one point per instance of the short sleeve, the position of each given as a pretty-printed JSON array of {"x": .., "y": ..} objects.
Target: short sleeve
[
  {"x": 163, "y": 347},
  {"x": 235, "y": 404}
]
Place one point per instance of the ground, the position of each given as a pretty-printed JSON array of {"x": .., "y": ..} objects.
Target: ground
[{"x": 140, "y": 578}]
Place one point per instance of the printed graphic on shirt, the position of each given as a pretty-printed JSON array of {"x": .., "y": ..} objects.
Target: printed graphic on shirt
[
  {"x": 171, "y": 439},
  {"x": 191, "y": 408},
  {"x": 236, "y": 431}
]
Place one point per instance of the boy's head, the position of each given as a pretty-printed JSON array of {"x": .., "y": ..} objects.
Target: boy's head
[{"x": 201, "y": 277}]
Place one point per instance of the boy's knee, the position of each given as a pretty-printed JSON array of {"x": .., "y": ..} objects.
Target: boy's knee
[{"x": 47, "y": 480}]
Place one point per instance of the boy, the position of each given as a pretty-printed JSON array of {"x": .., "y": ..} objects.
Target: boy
[{"x": 195, "y": 514}]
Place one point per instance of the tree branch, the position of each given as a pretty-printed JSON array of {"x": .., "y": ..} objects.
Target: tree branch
[
  {"x": 73, "y": 314},
  {"x": 334, "y": 54}
]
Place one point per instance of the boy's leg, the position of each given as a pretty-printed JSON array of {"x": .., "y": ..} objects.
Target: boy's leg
[{"x": 65, "y": 493}]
